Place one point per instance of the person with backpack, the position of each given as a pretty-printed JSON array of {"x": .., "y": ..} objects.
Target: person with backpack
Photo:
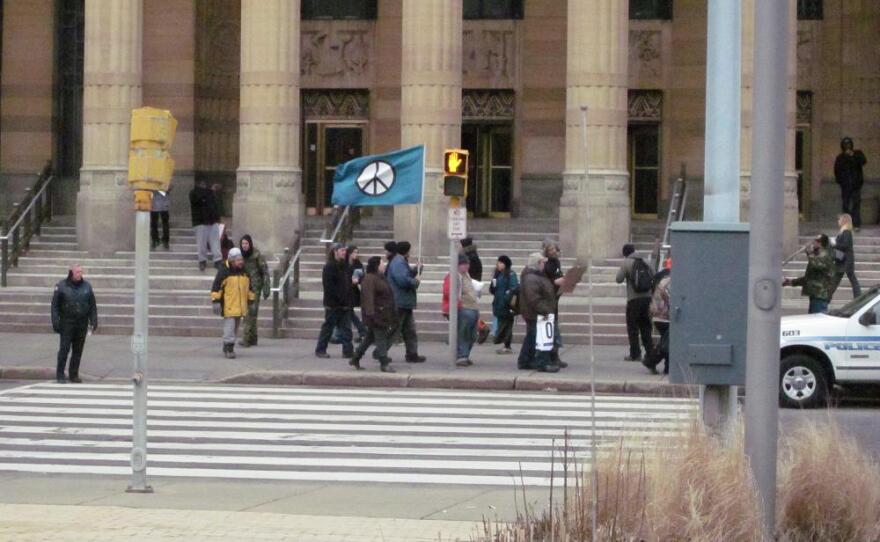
[
  {"x": 504, "y": 287},
  {"x": 660, "y": 316},
  {"x": 639, "y": 279}
]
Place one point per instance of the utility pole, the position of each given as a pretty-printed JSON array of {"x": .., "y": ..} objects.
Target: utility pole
[
  {"x": 455, "y": 172},
  {"x": 765, "y": 252}
]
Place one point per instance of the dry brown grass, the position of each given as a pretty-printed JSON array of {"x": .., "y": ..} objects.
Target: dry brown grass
[
  {"x": 693, "y": 488},
  {"x": 829, "y": 489}
]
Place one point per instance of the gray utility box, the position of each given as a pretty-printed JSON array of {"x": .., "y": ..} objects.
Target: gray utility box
[{"x": 708, "y": 303}]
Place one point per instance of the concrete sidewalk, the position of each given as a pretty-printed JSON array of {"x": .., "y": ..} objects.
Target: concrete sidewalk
[{"x": 292, "y": 362}]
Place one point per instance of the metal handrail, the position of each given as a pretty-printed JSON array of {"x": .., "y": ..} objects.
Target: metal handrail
[
  {"x": 339, "y": 222},
  {"x": 24, "y": 215},
  {"x": 281, "y": 283}
]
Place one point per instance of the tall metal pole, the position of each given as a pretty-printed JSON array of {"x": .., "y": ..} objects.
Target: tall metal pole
[
  {"x": 139, "y": 348},
  {"x": 765, "y": 251},
  {"x": 453, "y": 300},
  {"x": 722, "y": 171},
  {"x": 594, "y": 507}
]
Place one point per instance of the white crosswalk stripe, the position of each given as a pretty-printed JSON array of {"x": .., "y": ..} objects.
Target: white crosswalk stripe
[{"x": 331, "y": 435}]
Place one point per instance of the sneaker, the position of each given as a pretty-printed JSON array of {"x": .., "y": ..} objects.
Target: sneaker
[
  {"x": 415, "y": 359},
  {"x": 75, "y": 380},
  {"x": 322, "y": 355},
  {"x": 504, "y": 351},
  {"x": 463, "y": 362}
]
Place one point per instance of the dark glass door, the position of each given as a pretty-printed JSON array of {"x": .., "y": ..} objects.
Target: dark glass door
[
  {"x": 490, "y": 169},
  {"x": 327, "y": 146},
  {"x": 643, "y": 151}
]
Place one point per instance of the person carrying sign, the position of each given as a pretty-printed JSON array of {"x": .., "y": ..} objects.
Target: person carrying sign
[{"x": 537, "y": 303}]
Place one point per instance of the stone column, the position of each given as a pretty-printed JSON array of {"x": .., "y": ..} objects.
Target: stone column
[
  {"x": 430, "y": 111},
  {"x": 791, "y": 215},
  {"x": 596, "y": 77},
  {"x": 268, "y": 199},
  {"x": 112, "y": 88}
]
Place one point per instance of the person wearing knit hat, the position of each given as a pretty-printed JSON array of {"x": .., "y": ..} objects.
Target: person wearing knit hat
[
  {"x": 337, "y": 282},
  {"x": 467, "y": 310},
  {"x": 232, "y": 294},
  {"x": 536, "y": 298},
  {"x": 404, "y": 283},
  {"x": 261, "y": 281},
  {"x": 504, "y": 287}
]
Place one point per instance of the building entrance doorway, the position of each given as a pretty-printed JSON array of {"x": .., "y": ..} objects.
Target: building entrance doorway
[
  {"x": 327, "y": 144},
  {"x": 490, "y": 168},
  {"x": 643, "y": 157}
]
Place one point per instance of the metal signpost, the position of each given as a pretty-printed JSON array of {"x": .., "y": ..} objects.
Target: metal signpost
[{"x": 455, "y": 168}]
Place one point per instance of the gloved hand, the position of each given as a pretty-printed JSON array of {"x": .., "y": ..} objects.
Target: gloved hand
[{"x": 217, "y": 309}]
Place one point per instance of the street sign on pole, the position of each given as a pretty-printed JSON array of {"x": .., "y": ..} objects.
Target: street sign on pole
[{"x": 457, "y": 223}]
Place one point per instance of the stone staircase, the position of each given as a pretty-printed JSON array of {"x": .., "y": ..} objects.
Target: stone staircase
[{"x": 180, "y": 305}]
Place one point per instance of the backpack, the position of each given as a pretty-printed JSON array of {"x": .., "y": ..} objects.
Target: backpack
[
  {"x": 513, "y": 300},
  {"x": 642, "y": 277}
]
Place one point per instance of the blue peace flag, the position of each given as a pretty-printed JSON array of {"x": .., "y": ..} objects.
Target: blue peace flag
[{"x": 394, "y": 178}]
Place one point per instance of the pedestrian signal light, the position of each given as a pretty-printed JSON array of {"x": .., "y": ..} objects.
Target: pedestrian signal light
[
  {"x": 455, "y": 171},
  {"x": 149, "y": 165}
]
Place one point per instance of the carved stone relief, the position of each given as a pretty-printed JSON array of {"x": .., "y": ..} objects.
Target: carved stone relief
[
  {"x": 489, "y": 53},
  {"x": 645, "y": 53},
  {"x": 350, "y": 104},
  {"x": 332, "y": 51},
  {"x": 805, "y": 43},
  {"x": 804, "y": 106},
  {"x": 645, "y": 105},
  {"x": 487, "y": 104}
]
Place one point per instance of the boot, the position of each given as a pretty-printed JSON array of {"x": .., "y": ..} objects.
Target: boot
[
  {"x": 355, "y": 362},
  {"x": 218, "y": 265},
  {"x": 385, "y": 365}
]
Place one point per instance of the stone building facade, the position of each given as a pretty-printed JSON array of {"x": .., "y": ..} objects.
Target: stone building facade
[{"x": 271, "y": 95}]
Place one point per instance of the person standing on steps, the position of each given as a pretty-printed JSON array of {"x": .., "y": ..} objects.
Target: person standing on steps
[
  {"x": 258, "y": 273},
  {"x": 337, "y": 282},
  {"x": 504, "y": 285},
  {"x": 74, "y": 312},
  {"x": 404, "y": 284},
  {"x": 845, "y": 256},
  {"x": 380, "y": 315},
  {"x": 638, "y": 301},
  {"x": 537, "y": 298},
  {"x": 205, "y": 212},
  {"x": 850, "y": 177},
  {"x": 232, "y": 293},
  {"x": 468, "y": 311},
  {"x": 159, "y": 209}
]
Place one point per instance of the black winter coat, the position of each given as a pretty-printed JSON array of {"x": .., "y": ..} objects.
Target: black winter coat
[
  {"x": 336, "y": 279},
  {"x": 848, "y": 169},
  {"x": 475, "y": 270},
  {"x": 378, "y": 302},
  {"x": 204, "y": 207},
  {"x": 844, "y": 243},
  {"x": 536, "y": 295},
  {"x": 73, "y": 305}
]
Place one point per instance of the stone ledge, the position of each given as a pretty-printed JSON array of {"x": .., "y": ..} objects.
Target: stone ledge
[
  {"x": 462, "y": 382},
  {"x": 355, "y": 379},
  {"x": 27, "y": 373}
]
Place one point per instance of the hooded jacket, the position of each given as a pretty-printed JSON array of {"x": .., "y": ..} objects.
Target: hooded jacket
[
  {"x": 204, "y": 206},
  {"x": 537, "y": 295},
  {"x": 848, "y": 169},
  {"x": 73, "y": 304},
  {"x": 505, "y": 284},
  {"x": 256, "y": 268},
  {"x": 232, "y": 289},
  {"x": 377, "y": 301},
  {"x": 818, "y": 280},
  {"x": 336, "y": 279}
]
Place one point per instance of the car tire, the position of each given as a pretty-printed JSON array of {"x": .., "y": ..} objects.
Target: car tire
[{"x": 802, "y": 382}]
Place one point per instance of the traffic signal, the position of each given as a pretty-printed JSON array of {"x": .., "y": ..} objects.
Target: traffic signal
[
  {"x": 149, "y": 165},
  {"x": 455, "y": 171}
]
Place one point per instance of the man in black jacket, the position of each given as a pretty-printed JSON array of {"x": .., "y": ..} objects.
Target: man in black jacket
[
  {"x": 73, "y": 311},
  {"x": 337, "y": 282},
  {"x": 848, "y": 174},
  {"x": 205, "y": 211}
]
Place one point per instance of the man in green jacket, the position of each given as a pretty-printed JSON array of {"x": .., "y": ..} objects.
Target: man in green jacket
[
  {"x": 256, "y": 268},
  {"x": 818, "y": 280}
]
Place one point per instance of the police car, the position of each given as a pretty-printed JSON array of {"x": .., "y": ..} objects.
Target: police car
[{"x": 821, "y": 350}]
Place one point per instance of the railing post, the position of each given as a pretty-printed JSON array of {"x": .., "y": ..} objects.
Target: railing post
[
  {"x": 276, "y": 304},
  {"x": 4, "y": 258}
]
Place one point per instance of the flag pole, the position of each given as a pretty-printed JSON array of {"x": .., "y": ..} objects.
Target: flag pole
[{"x": 421, "y": 211}]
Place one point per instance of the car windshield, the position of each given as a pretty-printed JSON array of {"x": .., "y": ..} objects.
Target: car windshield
[{"x": 856, "y": 304}]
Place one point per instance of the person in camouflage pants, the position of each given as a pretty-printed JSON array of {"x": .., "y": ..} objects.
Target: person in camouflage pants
[
  {"x": 818, "y": 280},
  {"x": 258, "y": 272}
]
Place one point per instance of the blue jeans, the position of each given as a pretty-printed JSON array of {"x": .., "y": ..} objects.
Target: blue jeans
[
  {"x": 817, "y": 305},
  {"x": 467, "y": 331},
  {"x": 336, "y": 317}
]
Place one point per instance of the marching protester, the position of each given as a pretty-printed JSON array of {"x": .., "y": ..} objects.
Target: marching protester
[
  {"x": 356, "y": 268},
  {"x": 337, "y": 282},
  {"x": 638, "y": 277},
  {"x": 258, "y": 273},
  {"x": 845, "y": 256},
  {"x": 818, "y": 279},
  {"x": 504, "y": 286},
  {"x": 74, "y": 311},
  {"x": 850, "y": 177},
  {"x": 380, "y": 315},
  {"x": 205, "y": 212},
  {"x": 537, "y": 298},
  {"x": 159, "y": 209},
  {"x": 660, "y": 316},
  {"x": 404, "y": 284},
  {"x": 390, "y": 253},
  {"x": 467, "y": 309},
  {"x": 553, "y": 271},
  {"x": 231, "y": 294}
]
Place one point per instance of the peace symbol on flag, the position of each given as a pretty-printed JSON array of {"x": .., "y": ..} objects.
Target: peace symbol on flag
[{"x": 376, "y": 178}]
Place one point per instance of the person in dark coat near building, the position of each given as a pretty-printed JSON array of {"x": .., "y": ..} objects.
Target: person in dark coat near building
[
  {"x": 504, "y": 285},
  {"x": 205, "y": 211},
  {"x": 258, "y": 272},
  {"x": 638, "y": 307},
  {"x": 537, "y": 298},
  {"x": 337, "y": 282},
  {"x": 74, "y": 311},
  {"x": 469, "y": 249},
  {"x": 160, "y": 206},
  {"x": 845, "y": 256},
  {"x": 380, "y": 315},
  {"x": 356, "y": 268},
  {"x": 553, "y": 271},
  {"x": 850, "y": 177}
]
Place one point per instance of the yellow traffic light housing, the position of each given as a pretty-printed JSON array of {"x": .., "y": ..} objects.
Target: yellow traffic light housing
[
  {"x": 455, "y": 172},
  {"x": 150, "y": 167}
]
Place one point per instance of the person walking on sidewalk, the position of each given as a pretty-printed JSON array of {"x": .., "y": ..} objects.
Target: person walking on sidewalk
[
  {"x": 537, "y": 298},
  {"x": 553, "y": 271},
  {"x": 159, "y": 209},
  {"x": 205, "y": 212},
  {"x": 380, "y": 315},
  {"x": 638, "y": 301},
  {"x": 660, "y": 316},
  {"x": 232, "y": 293},
  {"x": 356, "y": 268},
  {"x": 850, "y": 177},
  {"x": 818, "y": 279},
  {"x": 467, "y": 309},
  {"x": 258, "y": 273},
  {"x": 74, "y": 311},
  {"x": 404, "y": 284},
  {"x": 337, "y": 282},
  {"x": 504, "y": 286},
  {"x": 845, "y": 256}
]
